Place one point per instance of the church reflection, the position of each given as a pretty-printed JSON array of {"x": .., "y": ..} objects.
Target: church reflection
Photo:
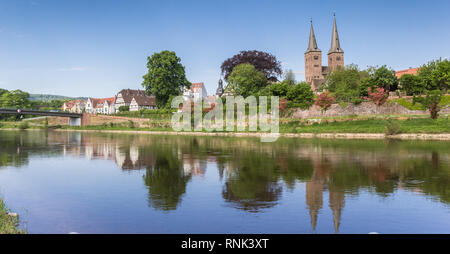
[
  {"x": 253, "y": 176},
  {"x": 314, "y": 196}
]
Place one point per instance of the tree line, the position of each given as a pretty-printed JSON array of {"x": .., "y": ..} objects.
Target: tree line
[
  {"x": 256, "y": 73},
  {"x": 18, "y": 99}
]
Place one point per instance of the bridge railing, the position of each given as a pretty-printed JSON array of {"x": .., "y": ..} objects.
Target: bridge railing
[{"x": 38, "y": 112}]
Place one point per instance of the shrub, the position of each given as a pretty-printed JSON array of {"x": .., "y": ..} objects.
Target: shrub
[
  {"x": 343, "y": 104},
  {"x": 283, "y": 104},
  {"x": 24, "y": 125},
  {"x": 301, "y": 94},
  {"x": 124, "y": 108},
  {"x": 407, "y": 104},
  {"x": 131, "y": 124},
  {"x": 392, "y": 127},
  {"x": 431, "y": 102},
  {"x": 379, "y": 96},
  {"x": 46, "y": 123},
  {"x": 324, "y": 101}
]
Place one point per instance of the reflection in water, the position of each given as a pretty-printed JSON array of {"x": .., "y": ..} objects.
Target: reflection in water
[
  {"x": 166, "y": 180},
  {"x": 253, "y": 174}
]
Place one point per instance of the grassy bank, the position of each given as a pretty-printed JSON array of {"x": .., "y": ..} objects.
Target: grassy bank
[
  {"x": 392, "y": 124},
  {"x": 409, "y": 125},
  {"x": 8, "y": 224},
  {"x": 407, "y": 103}
]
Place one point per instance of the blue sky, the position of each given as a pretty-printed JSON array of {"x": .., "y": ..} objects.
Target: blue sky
[{"x": 95, "y": 48}]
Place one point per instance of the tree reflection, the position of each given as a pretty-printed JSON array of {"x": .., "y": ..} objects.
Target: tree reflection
[
  {"x": 253, "y": 175},
  {"x": 166, "y": 181}
]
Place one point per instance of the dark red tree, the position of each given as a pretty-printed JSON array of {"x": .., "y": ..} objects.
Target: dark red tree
[
  {"x": 379, "y": 96},
  {"x": 262, "y": 61},
  {"x": 283, "y": 104},
  {"x": 324, "y": 101}
]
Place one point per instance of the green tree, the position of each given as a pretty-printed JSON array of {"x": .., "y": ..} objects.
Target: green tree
[
  {"x": 435, "y": 75},
  {"x": 2, "y": 91},
  {"x": 15, "y": 99},
  {"x": 440, "y": 76},
  {"x": 165, "y": 78},
  {"x": 365, "y": 85},
  {"x": 280, "y": 89},
  {"x": 301, "y": 94},
  {"x": 425, "y": 75},
  {"x": 385, "y": 77},
  {"x": 262, "y": 61},
  {"x": 344, "y": 84},
  {"x": 245, "y": 80},
  {"x": 411, "y": 84}
]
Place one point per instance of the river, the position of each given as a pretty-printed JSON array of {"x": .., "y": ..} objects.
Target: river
[{"x": 62, "y": 182}]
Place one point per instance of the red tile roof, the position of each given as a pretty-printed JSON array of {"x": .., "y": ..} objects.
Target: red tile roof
[
  {"x": 196, "y": 86},
  {"x": 98, "y": 103},
  {"x": 412, "y": 71}
]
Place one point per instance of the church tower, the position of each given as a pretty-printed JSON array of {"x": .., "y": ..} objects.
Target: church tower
[
  {"x": 335, "y": 54},
  {"x": 220, "y": 90},
  {"x": 313, "y": 61}
]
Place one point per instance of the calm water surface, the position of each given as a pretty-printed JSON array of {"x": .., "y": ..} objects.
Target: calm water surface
[{"x": 123, "y": 183}]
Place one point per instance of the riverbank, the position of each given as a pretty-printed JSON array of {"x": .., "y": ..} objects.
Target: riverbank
[
  {"x": 8, "y": 224},
  {"x": 349, "y": 127},
  {"x": 405, "y": 136},
  {"x": 409, "y": 136}
]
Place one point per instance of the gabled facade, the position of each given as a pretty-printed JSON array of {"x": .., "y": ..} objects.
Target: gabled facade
[
  {"x": 198, "y": 91},
  {"x": 125, "y": 96},
  {"x": 100, "y": 106},
  {"x": 75, "y": 106},
  {"x": 143, "y": 102}
]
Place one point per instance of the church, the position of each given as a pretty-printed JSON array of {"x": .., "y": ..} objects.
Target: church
[{"x": 315, "y": 73}]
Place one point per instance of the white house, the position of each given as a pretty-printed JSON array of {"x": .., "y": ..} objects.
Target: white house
[
  {"x": 187, "y": 94},
  {"x": 75, "y": 106},
  {"x": 100, "y": 106},
  {"x": 198, "y": 91},
  {"x": 124, "y": 97},
  {"x": 142, "y": 102}
]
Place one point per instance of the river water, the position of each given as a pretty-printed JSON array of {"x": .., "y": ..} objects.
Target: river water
[{"x": 62, "y": 182}]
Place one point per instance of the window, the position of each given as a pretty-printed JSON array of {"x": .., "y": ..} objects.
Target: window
[
  {"x": 338, "y": 58},
  {"x": 316, "y": 57}
]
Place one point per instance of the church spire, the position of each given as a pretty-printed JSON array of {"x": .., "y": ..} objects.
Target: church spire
[
  {"x": 312, "y": 45},
  {"x": 219, "y": 90},
  {"x": 335, "y": 45}
]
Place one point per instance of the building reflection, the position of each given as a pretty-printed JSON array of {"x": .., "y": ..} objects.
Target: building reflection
[
  {"x": 253, "y": 176},
  {"x": 320, "y": 180}
]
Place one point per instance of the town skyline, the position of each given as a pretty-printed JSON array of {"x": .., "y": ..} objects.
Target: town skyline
[{"x": 59, "y": 49}]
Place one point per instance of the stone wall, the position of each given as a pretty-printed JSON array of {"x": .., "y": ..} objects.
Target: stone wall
[
  {"x": 99, "y": 119},
  {"x": 364, "y": 108}
]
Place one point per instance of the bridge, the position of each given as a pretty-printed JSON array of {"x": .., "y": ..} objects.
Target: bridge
[{"x": 74, "y": 118}]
